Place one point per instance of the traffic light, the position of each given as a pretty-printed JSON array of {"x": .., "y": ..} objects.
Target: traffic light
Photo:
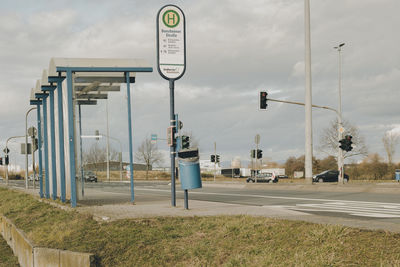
[
  {"x": 342, "y": 144},
  {"x": 345, "y": 143},
  {"x": 348, "y": 142},
  {"x": 253, "y": 154},
  {"x": 259, "y": 153},
  {"x": 263, "y": 100},
  {"x": 6, "y": 160},
  {"x": 212, "y": 158},
  {"x": 217, "y": 159},
  {"x": 185, "y": 142}
]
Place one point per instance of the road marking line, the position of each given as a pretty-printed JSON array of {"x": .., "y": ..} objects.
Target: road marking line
[
  {"x": 343, "y": 206},
  {"x": 361, "y": 210},
  {"x": 273, "y": 197}
]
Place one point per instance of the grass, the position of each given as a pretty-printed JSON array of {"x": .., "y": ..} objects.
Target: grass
[
  {"x": 200, "y": 241},
  {"x": 7, "y": 258}
]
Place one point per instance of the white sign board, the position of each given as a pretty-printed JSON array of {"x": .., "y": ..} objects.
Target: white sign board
[{"x": 171, "y": 42}]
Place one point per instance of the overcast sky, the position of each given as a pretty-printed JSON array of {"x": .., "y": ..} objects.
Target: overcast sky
[{"x": 235, "y": 48}]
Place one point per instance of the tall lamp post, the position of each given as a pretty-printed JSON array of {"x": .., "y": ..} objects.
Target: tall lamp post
[
  {"x": 340, "y": 126},
  {"x": 108, "y": 156},
  {"x": 26, "y": 148}
]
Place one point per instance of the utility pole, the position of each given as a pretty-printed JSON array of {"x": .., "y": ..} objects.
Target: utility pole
[{"x": 308, "y": 96}]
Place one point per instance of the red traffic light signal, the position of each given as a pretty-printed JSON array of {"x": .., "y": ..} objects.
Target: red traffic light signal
[
  {"x": 263, "y": 100},
  {"x": 348, "y": 142}
]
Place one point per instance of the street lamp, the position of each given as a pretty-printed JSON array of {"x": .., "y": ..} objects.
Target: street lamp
[
  {"x": 108, "y": 157},
  {"x": 340, "y": 126},
  {"x": 26, "y": 148}
]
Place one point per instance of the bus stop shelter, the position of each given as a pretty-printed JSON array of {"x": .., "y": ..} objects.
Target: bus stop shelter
[{"x": 66, "y": 83}]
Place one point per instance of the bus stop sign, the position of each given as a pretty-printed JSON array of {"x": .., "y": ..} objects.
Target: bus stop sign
[{"x": 171, "y": 42}]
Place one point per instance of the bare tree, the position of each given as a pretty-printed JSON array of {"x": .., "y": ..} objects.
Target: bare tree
[
  {"x": 97, "y": 154},
  {"x": 390, "y": 140},
  {"x": 329, "y": 141},
  {"x": 149, "y": 154}
]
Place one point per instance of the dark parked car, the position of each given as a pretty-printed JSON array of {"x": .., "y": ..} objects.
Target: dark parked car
[
  {"x": 90, "y": 177},
  {"x": 263, "y": 178},
  {"x": 329, "y": 176},
  {"x": 282, "y": 176}
]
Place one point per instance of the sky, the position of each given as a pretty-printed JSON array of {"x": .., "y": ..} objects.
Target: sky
[{"x": 235, "y": 48}]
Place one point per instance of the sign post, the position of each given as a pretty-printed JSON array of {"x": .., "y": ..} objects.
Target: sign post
[
  {"x": 171, "y": 64},
  {"x": 154, "y": 139}
]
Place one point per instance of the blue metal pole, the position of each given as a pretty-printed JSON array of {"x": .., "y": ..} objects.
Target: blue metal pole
[
  {"x": 172, "y": 148},
  {"x": 130, "y": 134},
  {"x": 39, "y": 122},
  {"x": 53, "y": 146},
  {"x": 61, "y": 138},
  {"x": 71, "y": 138},
  {"x": 46, "y": 148},
  {"x": 80, "y": 142}
]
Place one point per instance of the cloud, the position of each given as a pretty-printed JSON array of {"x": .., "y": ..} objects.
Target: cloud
[{"x": 234, "y": 50}]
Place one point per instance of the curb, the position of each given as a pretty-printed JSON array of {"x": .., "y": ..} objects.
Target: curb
[{"x": 31, "y": 256}]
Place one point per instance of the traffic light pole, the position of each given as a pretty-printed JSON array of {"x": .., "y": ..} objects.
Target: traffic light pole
[
  {"x": 256, "y": 159},
  {"x": 215, "y": 159},
  {"x": 7, "y": 151},
  {"x": 339, "y": 115},
  {"x": 302, "y": 104},
  {"x": 340, "y": 136}
]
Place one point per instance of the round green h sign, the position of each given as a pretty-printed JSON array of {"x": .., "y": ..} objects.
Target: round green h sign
[{"x": 171, "y": 18}]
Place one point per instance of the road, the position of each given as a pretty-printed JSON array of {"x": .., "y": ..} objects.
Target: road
[
  {"x": 363, "y": 209},
  {"x": 342, "y": 204}
]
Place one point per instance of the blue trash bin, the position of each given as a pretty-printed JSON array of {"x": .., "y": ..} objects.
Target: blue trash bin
[
  {"x": 189, "y": 173},
  {"x": 397, "y": 173}
]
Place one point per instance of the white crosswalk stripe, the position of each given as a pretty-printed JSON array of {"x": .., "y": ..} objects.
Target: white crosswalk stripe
[{"x": 355, "y": 208}]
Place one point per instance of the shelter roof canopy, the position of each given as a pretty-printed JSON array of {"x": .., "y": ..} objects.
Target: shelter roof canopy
[{"x": 98, "y": 65}]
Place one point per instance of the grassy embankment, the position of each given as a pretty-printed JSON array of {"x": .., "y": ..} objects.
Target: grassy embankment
[{"x": 200, "y": 241}]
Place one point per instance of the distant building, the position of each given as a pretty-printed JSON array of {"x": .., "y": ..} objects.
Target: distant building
[
  {"x": 114, "y": 166},
  {"x": 208, "y": 166},
  {"x": 277, "y": 171},
  {"x": 298, "y": 174}
]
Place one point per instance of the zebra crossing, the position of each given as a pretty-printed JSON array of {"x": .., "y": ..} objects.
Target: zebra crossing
[{"x": 354, "y": 208}]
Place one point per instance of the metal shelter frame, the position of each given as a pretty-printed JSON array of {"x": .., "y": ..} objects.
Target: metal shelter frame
[{"x": 81, "y": 75}]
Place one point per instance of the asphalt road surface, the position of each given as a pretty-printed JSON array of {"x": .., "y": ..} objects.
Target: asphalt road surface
[
  {"x": 363, "y": 208},
  {"x": 342, "y": 204}
]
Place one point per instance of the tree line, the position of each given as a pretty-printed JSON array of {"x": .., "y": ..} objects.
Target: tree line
[{"x": 372, "y": 167}]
